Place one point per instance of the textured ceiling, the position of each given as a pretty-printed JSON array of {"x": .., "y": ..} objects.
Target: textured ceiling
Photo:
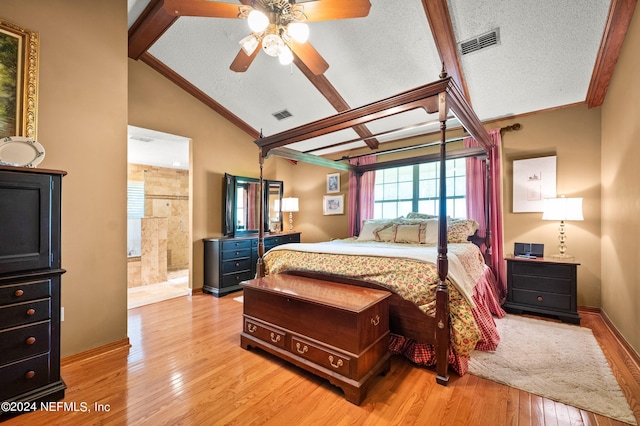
[{"x": 545, "y": 59}]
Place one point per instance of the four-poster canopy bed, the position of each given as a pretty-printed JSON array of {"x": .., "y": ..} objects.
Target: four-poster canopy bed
[{"x": 407, "y": 319}]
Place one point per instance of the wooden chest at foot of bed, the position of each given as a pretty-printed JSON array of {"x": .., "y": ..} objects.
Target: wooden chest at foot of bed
[{"x": 336, "y": 331}]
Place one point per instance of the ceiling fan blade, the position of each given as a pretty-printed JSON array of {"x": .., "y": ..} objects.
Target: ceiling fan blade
[
  {"x": 242, "y": 61},
  {"x": 327, "y": 10},
  {"x": 309, "y": 56},
  {"x": 204, "y": 8}
]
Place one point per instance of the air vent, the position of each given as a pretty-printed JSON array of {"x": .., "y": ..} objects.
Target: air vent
[
  {"x": 492, "y": 38},
  {"x": 281, "y": 115}
]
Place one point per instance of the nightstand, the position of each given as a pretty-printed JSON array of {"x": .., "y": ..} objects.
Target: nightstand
[{"x": 543, "y": 286}]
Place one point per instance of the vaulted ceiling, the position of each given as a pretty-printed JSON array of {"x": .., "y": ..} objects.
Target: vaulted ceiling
[{"x": 540, "y": 55}]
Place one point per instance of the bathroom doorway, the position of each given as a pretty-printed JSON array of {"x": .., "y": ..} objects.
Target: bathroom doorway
[{"x": 158, "y": 216}]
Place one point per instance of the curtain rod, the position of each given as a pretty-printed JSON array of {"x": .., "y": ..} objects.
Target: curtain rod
[{"x": 515, "y": 126}]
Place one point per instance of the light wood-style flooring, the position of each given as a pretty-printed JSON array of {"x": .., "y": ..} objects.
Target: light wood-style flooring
[{"x": 185, "y": 367}]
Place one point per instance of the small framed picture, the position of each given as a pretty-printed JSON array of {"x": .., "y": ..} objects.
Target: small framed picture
[
  {"x": 333, "y": 204},
  {"x": 333, "y": 183}
]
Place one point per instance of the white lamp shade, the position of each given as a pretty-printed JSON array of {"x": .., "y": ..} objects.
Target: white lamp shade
[
  {"x": 289, "y": 204},
  {"x": 285, "y": 56},
  {"x": 562, "y": 209},
  {"x": 299, "y": 31},
  {"x": 258, "y": 21}
]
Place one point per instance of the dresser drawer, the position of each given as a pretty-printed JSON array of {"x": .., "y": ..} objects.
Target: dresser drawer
[
  {"x": 236, "y": 254},
  {"x": 542, "y": 269},
  {"x": 238, "y": 265},
  {"x": 29, "y": 290},
  {"x": 24, "y": 342},
  {"x": 539, "y": 299},
  {"x": 236, "y": 244},
  {"x": 25, "y": 313},
  {"x": 319, "y": 355},
  {"x": 265, "y": 333},
  {"x": 229, "y": 280},
  {"x": 23, "y": 376},
  {"x": 543, "y": 284}
]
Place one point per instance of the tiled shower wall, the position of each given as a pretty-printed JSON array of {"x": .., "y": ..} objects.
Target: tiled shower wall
[{"x": 166, "y": 193}]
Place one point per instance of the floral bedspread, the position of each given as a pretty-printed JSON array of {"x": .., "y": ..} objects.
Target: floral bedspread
[{"x": 412, "y": 279}]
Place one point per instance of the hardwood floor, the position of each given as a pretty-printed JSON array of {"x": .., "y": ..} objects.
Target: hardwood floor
[{"x": 185, "y": 367}]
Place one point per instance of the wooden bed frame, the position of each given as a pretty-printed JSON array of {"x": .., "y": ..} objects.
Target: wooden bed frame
[{"x": 442, "y": 97}]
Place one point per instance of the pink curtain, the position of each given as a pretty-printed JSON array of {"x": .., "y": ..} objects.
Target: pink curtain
[
  {"x": 367, "y": 189},
  {"x": 476, "y": 191}
]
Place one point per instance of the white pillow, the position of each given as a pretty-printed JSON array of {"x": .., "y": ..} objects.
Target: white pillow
[
  {"x": 431, "y": 232},
  {"x": 368, "y": 228}
]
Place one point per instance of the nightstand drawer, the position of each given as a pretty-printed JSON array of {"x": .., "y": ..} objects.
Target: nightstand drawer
[
  {"x": 540, "y": 299},
  {"x": 543, "y": 284},
  {"x": 546, "y": 270}
]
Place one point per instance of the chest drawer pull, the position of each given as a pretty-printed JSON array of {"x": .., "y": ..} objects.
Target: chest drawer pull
[
  {"x": 337, "y": 364},
  {"x": 19, "y": 293},
  {"x": 30, "y": 340},
  {"x": 302, "y": 349},
  {"x": 30, "y": 374},
  {"x": 251, "y": 328},
  {"x": 539, "y": 298},
  {"x": 31, "y": 311},
  {"x": 275, "y": 338},
  {"x": 375, "y": 321}
]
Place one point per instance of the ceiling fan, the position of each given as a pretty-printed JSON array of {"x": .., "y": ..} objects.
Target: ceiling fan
[{"x": 278, "y": 25}]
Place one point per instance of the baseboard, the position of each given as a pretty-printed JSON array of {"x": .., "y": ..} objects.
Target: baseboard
[
  {"x": 100, "y": 350},
  {"x": 630, "y": 351},
  {"x": 196, "y": 291}
]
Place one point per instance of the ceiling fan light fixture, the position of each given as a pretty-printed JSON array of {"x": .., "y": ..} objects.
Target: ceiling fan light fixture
[
  {"x": 258, "y": 21},
  {"x": 272, "y": 45},
  {"x": 285, "y": 56},
  {"x": 299, "y": 31},
  {"x": 249, "y": 44}
]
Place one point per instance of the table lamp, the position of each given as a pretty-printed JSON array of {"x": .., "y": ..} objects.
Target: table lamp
[
  {"x": 290, "y": 205},
  {"x": 562, "y": 209}
]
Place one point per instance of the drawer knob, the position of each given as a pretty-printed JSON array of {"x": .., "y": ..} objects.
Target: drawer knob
[
  {"x": 337, "y": 364},
  {"x": 251, "y": 328},
  {"x": 30, "y": 340},
  {"x": 237, "y": 264},
  {"x": 31, "y": 311},
  {"x": 375, "y": 321},
  {"x": 19, "y": 293},
  {"x": 30, "y": 374},
  {"x": 301, "y": 349},
  {"x": 275, "y": 338},
  {"x": 539, "y": 298}
]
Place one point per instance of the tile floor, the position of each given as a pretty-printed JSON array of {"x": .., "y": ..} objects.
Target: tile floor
[{"x": 176, "y": 285}]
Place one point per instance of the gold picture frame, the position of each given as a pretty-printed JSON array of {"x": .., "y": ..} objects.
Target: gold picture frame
[{"x": 19, "y": 64}]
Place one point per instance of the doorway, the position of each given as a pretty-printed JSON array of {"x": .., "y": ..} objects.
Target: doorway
[{"x": 158, "y": 216}]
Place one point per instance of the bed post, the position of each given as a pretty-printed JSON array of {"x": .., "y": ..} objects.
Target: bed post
[
  {"x": 260, "y": 263},
  {"x": 442, "y": 290}
]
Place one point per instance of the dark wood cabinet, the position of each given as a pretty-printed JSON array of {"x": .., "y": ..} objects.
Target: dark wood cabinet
[
  {"x": 30, "y": 280},
  {"x": 229, "y": 261},
  {"x": 542, "y": 286}
]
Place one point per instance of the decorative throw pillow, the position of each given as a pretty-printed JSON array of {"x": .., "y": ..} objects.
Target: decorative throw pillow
[
  {"x": 408, "y": 233},
  {"x": 416, "y": 215},
  {"x": 385, "y": 233},
  {"x": 459, "y": 230},
  {"x": 368, "y": 228},
  {"x": 430, "y": 236}
]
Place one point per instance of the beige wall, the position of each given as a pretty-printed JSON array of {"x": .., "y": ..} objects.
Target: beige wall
[
  {"x": 217, "y": 146},
  {"x": 82, "y": 124},
  {"x": 621, "y": 191}
]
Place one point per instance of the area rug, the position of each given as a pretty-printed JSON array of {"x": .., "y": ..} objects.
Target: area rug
[
  {"x": 557, "y": 361},
  {"x": 239, "y": 299}
]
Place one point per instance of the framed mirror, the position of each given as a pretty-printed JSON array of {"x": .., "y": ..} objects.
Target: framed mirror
[{"x": 241, "y": 211}]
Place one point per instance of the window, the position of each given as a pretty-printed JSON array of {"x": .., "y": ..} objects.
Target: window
[{"x": 415, "y": 188}]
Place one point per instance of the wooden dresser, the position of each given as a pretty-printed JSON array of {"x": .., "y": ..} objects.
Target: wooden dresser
[
  {"x": 336, "y": 331},
  {"x": 544, "y": 286},
  {"x": 228, "y": 261},
  {"x": 30, "y": 279}
]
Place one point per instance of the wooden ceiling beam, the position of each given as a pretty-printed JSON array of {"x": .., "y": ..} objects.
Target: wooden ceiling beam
[
  {"x": 618, "y": 20},
  {"x": 151, "y": 24},
  {"x": 327, "y": 90},
  {"x": 439, "y": 19},
  {"x": 179, "y": 81}
]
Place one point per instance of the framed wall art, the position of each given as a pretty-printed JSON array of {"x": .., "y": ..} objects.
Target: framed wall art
[
  {"x": 333, "y": 204},
  {"x": 333, "y": 183},
  {"x": 19, "y": 80},
  {"x": 534, "y": 179}
]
